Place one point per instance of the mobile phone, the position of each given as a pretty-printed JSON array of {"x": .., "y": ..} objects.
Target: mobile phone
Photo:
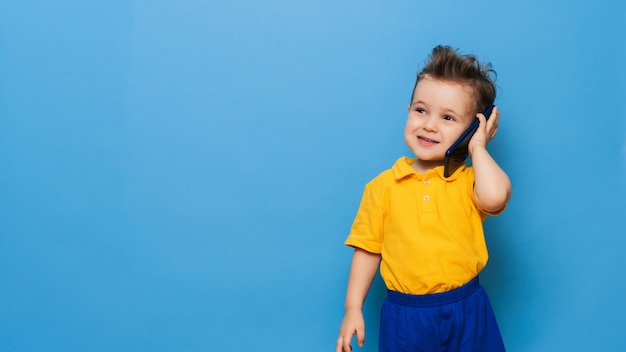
[{"x": 457, "y": 153}]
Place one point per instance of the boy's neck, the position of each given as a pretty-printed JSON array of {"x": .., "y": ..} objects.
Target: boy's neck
[{"x": 424, "y": 165}]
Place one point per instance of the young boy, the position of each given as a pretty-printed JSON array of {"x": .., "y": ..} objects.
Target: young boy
[{"x": 424, "y": 230}]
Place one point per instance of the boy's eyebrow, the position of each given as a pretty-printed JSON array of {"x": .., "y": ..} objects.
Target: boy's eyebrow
[
  {"x": 445, "y": 109},
  {"x": 452, "y": 111}
]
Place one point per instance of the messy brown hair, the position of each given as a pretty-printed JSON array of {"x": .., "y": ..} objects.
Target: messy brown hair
[{"x": 446, "y": 64}]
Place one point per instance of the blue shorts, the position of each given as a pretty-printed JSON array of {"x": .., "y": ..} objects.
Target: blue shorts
[{"x": 460, "y": 320}]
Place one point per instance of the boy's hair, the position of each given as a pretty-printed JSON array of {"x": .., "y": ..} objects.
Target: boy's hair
[{"x": 446, "y": 64}]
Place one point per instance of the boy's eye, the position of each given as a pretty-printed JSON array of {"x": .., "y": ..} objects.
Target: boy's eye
[
  {"x": 420, "y": 110},
  {"x": 448, "y": 117}
]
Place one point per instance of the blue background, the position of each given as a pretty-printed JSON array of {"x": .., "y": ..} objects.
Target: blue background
[{"x": 181, "y": 175}]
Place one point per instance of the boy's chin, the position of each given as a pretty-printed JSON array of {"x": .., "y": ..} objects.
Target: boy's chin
[
  {"x": 429, "y": 158},
  {"x": 430, "y": 161}
]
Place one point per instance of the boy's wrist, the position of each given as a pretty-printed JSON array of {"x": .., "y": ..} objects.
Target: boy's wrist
[
  {"x": 353, "y": 307},
  {"x": 473, "y": 149}
]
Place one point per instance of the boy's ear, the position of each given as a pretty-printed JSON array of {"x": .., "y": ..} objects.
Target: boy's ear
[{"x": 408, "y": 107}]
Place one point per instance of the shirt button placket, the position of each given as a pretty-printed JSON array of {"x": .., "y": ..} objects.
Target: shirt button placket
[{"x": 428, "y": 207}]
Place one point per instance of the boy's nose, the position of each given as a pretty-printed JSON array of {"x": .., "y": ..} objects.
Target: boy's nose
[{"x": 430, "y": 124}]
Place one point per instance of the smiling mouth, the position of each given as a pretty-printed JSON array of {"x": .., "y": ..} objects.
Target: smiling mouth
[{"x": 426, "y": 141}]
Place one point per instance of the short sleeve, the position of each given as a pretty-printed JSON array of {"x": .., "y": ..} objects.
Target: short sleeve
[{"x": 367, "y": 230}]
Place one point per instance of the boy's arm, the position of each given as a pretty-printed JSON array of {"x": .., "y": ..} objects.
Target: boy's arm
[
  {"x": 362, "y": 271},
  {"x": 492, "y": 187}
]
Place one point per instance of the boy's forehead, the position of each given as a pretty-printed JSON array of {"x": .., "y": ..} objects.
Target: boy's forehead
[
  {"x": 432, "y": 88},
  {"x": 428, "y": 81}
]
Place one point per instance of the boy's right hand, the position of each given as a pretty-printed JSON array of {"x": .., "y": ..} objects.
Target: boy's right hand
[{"x": 353, "y": 323}]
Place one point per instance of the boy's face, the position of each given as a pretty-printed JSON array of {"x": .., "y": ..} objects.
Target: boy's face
[{"x": 438, "y": 115}]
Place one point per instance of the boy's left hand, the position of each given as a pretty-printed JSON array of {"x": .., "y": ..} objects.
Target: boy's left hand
[{"x": 487, "y": 129}]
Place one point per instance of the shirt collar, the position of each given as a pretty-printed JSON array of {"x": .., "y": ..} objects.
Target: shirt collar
[{"x": 402, "y": 168}]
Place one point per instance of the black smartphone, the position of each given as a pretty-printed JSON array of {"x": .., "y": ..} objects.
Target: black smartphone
[{"x": 457, "y": 153}]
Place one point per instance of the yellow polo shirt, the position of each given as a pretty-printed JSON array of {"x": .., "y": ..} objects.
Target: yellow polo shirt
[{"x": 427, "y": 228}]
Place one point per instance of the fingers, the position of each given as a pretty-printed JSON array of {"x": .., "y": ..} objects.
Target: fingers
[
  {"x": 360, "y": 336},
  {"x": 343, "y": 344},
  {"x": 493, "y": 122},
  {"x": 490, "y": 126},
  {"x": 353, "y": 324},
  {"x": 495, "y": 115}
]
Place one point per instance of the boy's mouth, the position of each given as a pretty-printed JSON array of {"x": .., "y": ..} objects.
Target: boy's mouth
[{"x": 426, "y": 141}]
